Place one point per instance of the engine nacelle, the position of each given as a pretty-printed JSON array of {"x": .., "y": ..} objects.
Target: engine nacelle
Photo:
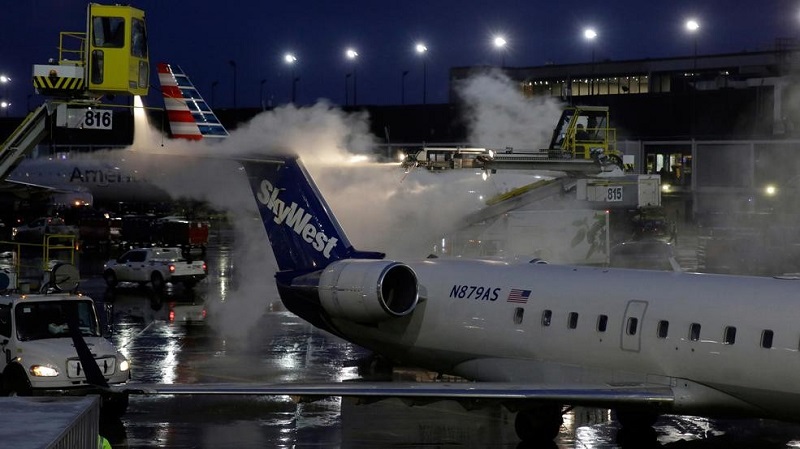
[{"x": 368, "y": 291}]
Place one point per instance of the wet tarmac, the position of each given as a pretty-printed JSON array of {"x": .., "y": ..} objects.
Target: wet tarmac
[{"x": 283, "y": 348}]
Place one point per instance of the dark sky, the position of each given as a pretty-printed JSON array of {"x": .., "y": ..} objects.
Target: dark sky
[{"x": 202, "y": 36}]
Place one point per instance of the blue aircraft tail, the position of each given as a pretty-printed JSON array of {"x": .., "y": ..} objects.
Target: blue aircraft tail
[{"x": 301, "y": 228}]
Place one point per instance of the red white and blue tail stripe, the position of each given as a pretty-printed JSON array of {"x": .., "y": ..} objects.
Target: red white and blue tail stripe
[{"x": 190, "y": 117}]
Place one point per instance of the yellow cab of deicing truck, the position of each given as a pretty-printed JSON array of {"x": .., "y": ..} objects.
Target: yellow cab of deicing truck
[{"x": 109, "y": 58}]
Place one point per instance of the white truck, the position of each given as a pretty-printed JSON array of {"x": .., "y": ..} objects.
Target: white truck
[
  {"x": 155, "y": 265},
  {"x": 37, "y": 338}
]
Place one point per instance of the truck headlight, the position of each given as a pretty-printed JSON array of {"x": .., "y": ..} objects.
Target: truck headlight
[
  {"x": 124, "y": 365},
  {"x": 44, "y": 371}
]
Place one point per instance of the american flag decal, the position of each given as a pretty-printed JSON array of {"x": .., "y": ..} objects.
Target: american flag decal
[{"x": 519, "y": 296}]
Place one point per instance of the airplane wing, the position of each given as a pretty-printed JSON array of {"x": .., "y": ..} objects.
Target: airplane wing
[
  {"x": 589, "y": 395},
  {"x": 26, "y": 190}
]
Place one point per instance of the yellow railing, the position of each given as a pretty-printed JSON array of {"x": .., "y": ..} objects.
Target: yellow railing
[
  {"x": 605, "y": 138},
  {"x": 27, "y": 267},
  {"x": 64, "y": 53}
]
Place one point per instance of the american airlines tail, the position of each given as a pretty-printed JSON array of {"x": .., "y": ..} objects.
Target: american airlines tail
[{"x": 190, "y": 117}]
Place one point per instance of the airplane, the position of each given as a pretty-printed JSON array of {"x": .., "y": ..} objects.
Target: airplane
[
  {"x": 122, "y": 175},
  {"x": 537, "y": 337}
]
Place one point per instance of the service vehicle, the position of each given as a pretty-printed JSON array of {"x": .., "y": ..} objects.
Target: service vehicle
[
  {"x": 583, "y": 143},
  {"x": 35, "y": 231},
  {"x": 37, "y": 338},
  {"x": 157, "y": 266},
  {"x": 183, "y": 232}
]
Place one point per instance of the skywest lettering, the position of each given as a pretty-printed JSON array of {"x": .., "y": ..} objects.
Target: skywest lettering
[{"x": 296, "y": 218}]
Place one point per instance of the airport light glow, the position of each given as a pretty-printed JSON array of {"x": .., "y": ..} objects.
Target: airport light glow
[
  {"x": 290, "y": 58},
  {"x": 692, "y": 25},
  {"x": 421, "y": 48},
  {"x": 351, "y": 53},
  {"x": 590, "y": 33},
  {"x": 500, "y": 42}
]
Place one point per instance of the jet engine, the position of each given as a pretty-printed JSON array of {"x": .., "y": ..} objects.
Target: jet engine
[{"x": 368, "y": 291}]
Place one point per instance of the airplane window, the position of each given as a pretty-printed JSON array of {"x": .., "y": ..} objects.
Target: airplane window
[
  {"x": 730, "y": 335},
  {"x": 573, "y": 320},
  {"x": 602, "y": 323},
  {"x": 518, "y": 314},
  {"x": 547, "y": 315},
  {"x": 694, "y": 332},
  {"x": 633, "y": 325},
  {"x": 766, "y": 338},
  {"x": 663, "y": 329}
]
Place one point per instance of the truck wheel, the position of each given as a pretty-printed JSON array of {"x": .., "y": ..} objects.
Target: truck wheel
[
  {"x": 157, "y": 280},
  {"x": 110, "y": 278},
  {"x": 15, "y": 383}
]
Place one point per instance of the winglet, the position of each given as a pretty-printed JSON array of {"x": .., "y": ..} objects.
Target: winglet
[
  {"x": 301, "y": 228},
  {"x": 190, "y": 117}
]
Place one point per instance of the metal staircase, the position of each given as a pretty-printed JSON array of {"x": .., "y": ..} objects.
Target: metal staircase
[{"x": 27, "y": 135}]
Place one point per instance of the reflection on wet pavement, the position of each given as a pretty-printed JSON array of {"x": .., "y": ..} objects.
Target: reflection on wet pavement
[{"x": 283, "y": 348}]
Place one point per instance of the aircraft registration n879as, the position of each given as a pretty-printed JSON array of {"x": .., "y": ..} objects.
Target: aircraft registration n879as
[{"x": 534, "y": 336}]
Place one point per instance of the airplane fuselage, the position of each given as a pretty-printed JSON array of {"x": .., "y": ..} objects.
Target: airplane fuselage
[
  {"x": 105, "y": 178},
  {"x": 724, "y": 344}
]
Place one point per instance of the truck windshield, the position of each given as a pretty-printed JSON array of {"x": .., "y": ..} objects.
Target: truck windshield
[{"x": 50, "y": 319}]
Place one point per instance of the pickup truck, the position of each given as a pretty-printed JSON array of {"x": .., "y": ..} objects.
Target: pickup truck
[
  {"x": 155, "y": 265},
  {"x": 39, "y": 354}
]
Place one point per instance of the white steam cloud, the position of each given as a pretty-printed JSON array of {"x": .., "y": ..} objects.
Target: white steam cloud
[
  {"x": 378, "y": 208},
  {"x": 500, "y": 116}
]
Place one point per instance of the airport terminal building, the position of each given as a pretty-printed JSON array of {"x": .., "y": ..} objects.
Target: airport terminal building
[{"x": 724, "y": 130}]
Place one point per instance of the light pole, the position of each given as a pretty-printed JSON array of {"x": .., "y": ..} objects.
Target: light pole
[
  {"x": 403, "y": 87},
  {"x": 693, "y": 27},
  {"x": 422, "y": 50},
  {"x": 590, "y": 35},
  {"x": 352, "y": 55},
  {"x": 261, "y": 93},
  {"x": 500, "y": 44},
  {"x": 213, "y": 92},
  {"x": 347, "y": 88},
  {"x": 233, "y": 64},
  {"x": 6, "y": 101},
  {"x": 291, "y": 59}
]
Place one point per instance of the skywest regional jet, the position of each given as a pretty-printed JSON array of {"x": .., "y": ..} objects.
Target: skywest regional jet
[{"x": 535, "y": 337}]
